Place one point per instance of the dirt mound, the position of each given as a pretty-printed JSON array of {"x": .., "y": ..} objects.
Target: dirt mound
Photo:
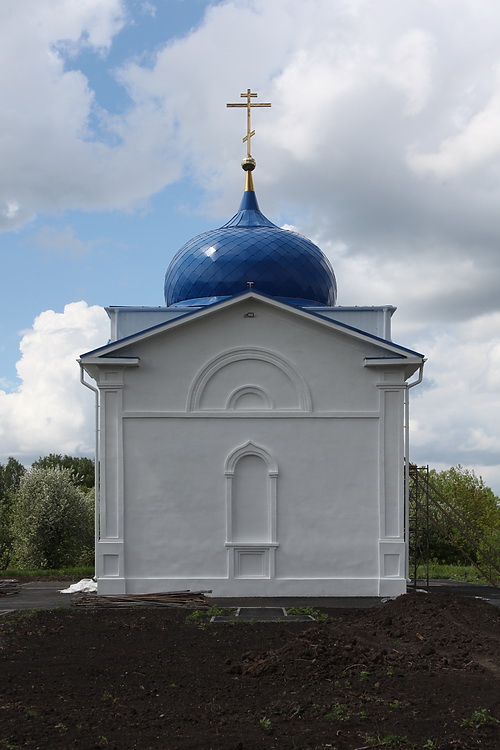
[
  {"x": 420, "y": 673},
  {"x": 417, "y": 631}
]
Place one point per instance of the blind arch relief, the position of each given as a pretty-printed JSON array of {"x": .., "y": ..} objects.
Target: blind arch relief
[{"x": 238, "y": 378}]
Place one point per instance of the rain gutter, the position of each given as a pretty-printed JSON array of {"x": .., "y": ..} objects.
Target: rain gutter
[
  {"x": 96, "y": 459},
  {"x": 407, "y": 467}
]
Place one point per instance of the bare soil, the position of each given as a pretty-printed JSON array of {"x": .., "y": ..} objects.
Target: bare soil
[{"x": 422, "y": 673}]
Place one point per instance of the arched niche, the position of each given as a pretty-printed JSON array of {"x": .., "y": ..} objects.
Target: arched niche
[
  {"x": 251, "y": 478},
  {"x": 242, "y": 373},
  {"x": 249, "y": 397}
]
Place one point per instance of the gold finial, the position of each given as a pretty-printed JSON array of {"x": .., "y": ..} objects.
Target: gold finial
[{"x": 248, "y": 162}]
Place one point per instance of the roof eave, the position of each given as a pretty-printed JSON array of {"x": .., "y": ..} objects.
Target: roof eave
[{"x": 193, "y": 315}]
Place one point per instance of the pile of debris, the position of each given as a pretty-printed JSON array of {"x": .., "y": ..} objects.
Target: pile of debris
[
  {"x": 191, "y": 599},
  {"x": 9, "y": 586}
]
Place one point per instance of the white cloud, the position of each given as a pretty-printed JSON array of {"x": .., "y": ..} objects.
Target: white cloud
[
  {"x": 50, "y": 411},
  {"x": 355, "y": 87},
  {"x": 476, "y": 144},
  {"x": 410, "y": 68},
  {"x": 55, "y": 147},
  {"x": 455, "y": 415}
]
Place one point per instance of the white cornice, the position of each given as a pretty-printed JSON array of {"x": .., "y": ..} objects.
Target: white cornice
[{"x": 110, "y": 361}]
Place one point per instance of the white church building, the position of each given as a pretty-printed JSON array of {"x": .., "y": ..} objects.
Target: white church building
[{"x": 252, "y": 432}]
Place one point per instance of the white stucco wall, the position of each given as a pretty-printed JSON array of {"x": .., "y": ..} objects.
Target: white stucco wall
[
  {"x": 329, "y": 429},
  {"x": 321, "y": 517}
]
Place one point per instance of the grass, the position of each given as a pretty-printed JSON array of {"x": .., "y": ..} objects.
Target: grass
[
  {"x": 21, "y": 614},
  {"x": 394, "y": 741},
  {"x": 12, "y": 620},
  {"x": 200, "y": 618},
  {"x": 314, "y": 613},
  {"x": 59, "y": 573},
  {"x": 266, "y": 723},
  {"x": 451, "y": 572},
  {"x": 338, "y": 712},
  {"x": 480, "y": 718}
]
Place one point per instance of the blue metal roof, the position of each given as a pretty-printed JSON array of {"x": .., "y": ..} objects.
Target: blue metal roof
[
  {"x": 315, "y": 313},
  {"x": 249, "y": 248}
]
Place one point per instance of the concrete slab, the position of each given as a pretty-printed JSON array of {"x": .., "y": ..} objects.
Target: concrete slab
[
  {"x": 462, "y": 588},
  {"x": 261, "y": 614},
  {"x": 46, "y": 595},
  {"x": 304, "y": 601},
  {"x": 37, "y": 595}
]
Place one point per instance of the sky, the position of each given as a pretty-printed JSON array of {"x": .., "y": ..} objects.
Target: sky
[{"x": 382, "y": 145}]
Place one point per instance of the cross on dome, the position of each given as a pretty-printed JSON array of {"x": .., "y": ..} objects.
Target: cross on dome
[
  {"x": 250, "y": 253},
  {"x": 250, "y": 133}
]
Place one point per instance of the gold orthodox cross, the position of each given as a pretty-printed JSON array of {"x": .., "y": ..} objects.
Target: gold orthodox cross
[{"x": 249, "y": 104}]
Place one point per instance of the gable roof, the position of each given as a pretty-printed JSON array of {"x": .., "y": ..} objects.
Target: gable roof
[{"x": 112, "y": 349}]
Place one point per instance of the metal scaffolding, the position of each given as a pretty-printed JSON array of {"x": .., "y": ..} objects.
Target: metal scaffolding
[{"x": 429, "y": 511}]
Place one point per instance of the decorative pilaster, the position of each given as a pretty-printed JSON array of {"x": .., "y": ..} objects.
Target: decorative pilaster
[
  {"x": 110, "y": 565},
  {"x": 391, "y": 490},
  {"x": 391, "y": 460}
]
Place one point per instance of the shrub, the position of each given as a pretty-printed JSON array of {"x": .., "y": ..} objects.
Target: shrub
[{"x": 51, "y": 521}]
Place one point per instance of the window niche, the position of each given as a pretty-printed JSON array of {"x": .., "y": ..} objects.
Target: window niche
[{"x": 251, "y": 536}]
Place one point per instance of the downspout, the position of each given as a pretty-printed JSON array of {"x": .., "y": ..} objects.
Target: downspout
[
  {"x": 407, "y": 467},
  {"x": 97, "y": 493}
]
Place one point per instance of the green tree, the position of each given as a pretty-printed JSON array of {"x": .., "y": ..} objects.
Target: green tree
[
  {"x": 10, "y": 477},
  {"x": 81, "y": 467},
  {"x": 52, "y": 521},
  {"x": 477, "y": 505}
]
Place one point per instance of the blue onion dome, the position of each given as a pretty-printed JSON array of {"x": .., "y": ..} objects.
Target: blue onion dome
[{"x": 250, "y": 252}]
